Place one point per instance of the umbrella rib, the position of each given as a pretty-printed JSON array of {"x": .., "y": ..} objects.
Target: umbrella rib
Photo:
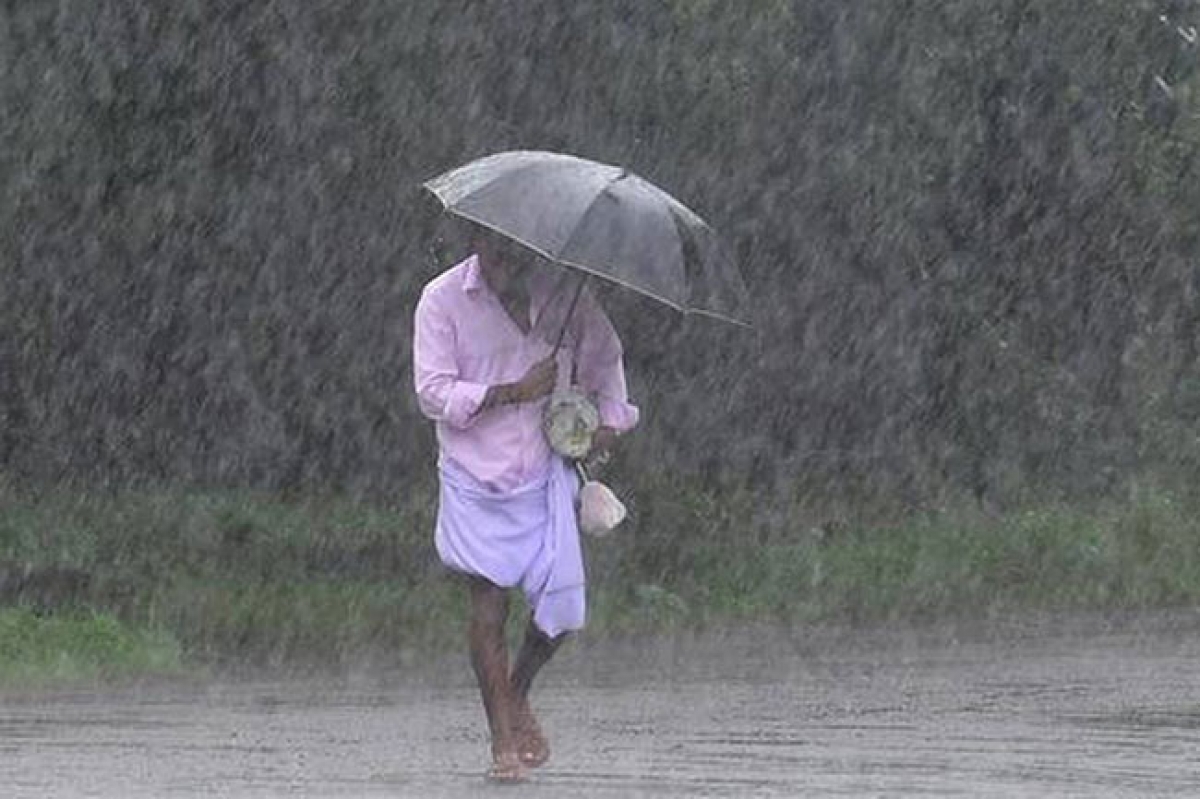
[
  {"x": 592, "y": 204},
  {"x": 579, "y": 226}
]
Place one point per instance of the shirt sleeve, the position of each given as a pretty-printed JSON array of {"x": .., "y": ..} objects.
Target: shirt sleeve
[
  {"x": 441, "y": 394},
  {"x": 600, "y": 368}
]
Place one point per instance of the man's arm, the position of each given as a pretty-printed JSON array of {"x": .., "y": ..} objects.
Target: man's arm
[
  {"x": 537, "y": 383},
  {"x": 600, "y": 370},
  {"x": 441, "y": 394}
]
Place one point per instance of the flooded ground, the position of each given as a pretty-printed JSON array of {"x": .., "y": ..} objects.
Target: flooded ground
[{"x": 1079, "y": 707}]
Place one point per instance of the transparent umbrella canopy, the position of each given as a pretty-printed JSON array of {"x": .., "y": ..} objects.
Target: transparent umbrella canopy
[{"x": 601, "y": 220}]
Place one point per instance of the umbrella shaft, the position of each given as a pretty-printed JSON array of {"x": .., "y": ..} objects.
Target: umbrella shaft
[{"x": 570, "y": 312}]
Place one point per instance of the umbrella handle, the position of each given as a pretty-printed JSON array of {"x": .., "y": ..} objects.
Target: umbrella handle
[{"x": 570, "y": 312}]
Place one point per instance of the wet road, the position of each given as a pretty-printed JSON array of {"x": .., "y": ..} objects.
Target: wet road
[{"x": 1079, "y": 707}]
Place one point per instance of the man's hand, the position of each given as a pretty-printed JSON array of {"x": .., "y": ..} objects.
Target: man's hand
[
  {"x": 537, "y": 383},
  {"x": 603, "y": 441}
]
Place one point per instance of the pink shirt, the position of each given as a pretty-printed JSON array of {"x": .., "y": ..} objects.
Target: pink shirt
[{"x": 465, "y": 342}]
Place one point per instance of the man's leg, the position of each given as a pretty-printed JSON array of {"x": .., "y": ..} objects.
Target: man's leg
[
  {"x": 489, "y": 659},
  {"x": 536, "y": 651}
]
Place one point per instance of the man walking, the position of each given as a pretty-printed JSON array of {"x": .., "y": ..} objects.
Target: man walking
[{"x": 484, "y": 365}]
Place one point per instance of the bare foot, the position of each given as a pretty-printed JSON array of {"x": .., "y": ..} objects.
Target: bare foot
[
  {"x": 506, "y": 769},
  {"x": 532, "y": 745}
]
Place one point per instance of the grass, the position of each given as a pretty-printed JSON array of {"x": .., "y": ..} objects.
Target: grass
[
  {"x": 1136, "y": 554},
  {"x": 38, "y": 650},
  {"x": 233, "y": 576},
  {"x": 159, "y": 579}
]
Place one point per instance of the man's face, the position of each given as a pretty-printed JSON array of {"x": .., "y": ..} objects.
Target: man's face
[{"x": 503, "y": 263}]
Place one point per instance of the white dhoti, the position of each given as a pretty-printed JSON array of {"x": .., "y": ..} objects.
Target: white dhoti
[{"x": 528, "y": 536}]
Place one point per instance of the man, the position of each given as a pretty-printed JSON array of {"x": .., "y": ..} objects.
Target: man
[{"x": 484, "y": 366}]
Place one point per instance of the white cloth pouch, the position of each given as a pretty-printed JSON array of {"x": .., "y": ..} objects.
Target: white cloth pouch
[
  {"x": 599, "y": 509},
  {"x": 569, "y": 421}
]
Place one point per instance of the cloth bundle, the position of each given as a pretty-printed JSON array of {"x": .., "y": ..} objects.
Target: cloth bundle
[
  {"x": 599, "y": 509},
  {"x": 570, "y": 422}
]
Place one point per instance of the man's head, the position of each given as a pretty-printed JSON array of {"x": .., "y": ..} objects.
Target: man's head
[{"x": 502, "y": 261}]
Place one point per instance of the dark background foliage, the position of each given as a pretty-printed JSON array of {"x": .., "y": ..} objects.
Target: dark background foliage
[{"x": 969, "y": 228}]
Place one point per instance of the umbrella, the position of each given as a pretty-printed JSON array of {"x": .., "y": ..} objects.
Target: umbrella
[{"x": 601, "y": 220}]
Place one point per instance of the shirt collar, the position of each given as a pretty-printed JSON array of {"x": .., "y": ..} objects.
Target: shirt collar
[{"x": 473, "y": 280}]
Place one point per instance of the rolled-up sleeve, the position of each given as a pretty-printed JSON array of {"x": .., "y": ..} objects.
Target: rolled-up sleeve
[
  {"x": 441, "y": 394},
  {"x": 600, "y": 367}
]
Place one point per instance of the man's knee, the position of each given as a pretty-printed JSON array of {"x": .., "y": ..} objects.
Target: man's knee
[{"x": 489, "y": 604}]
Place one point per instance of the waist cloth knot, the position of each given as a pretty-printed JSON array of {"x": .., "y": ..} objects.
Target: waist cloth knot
[{"x": 528, "y": 536}]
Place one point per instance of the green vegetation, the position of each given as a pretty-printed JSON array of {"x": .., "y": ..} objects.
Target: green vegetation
[
  {"x": 968, "y": 229},
  {"x": 152, "y": 580},
  {"x": 965, "y": 227},
  {"x": 955, "y": 564},
  {"x": 40, "y": 650},
  {"x": 724, "y": 562},
  {"x": 233, "y": 576}
]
